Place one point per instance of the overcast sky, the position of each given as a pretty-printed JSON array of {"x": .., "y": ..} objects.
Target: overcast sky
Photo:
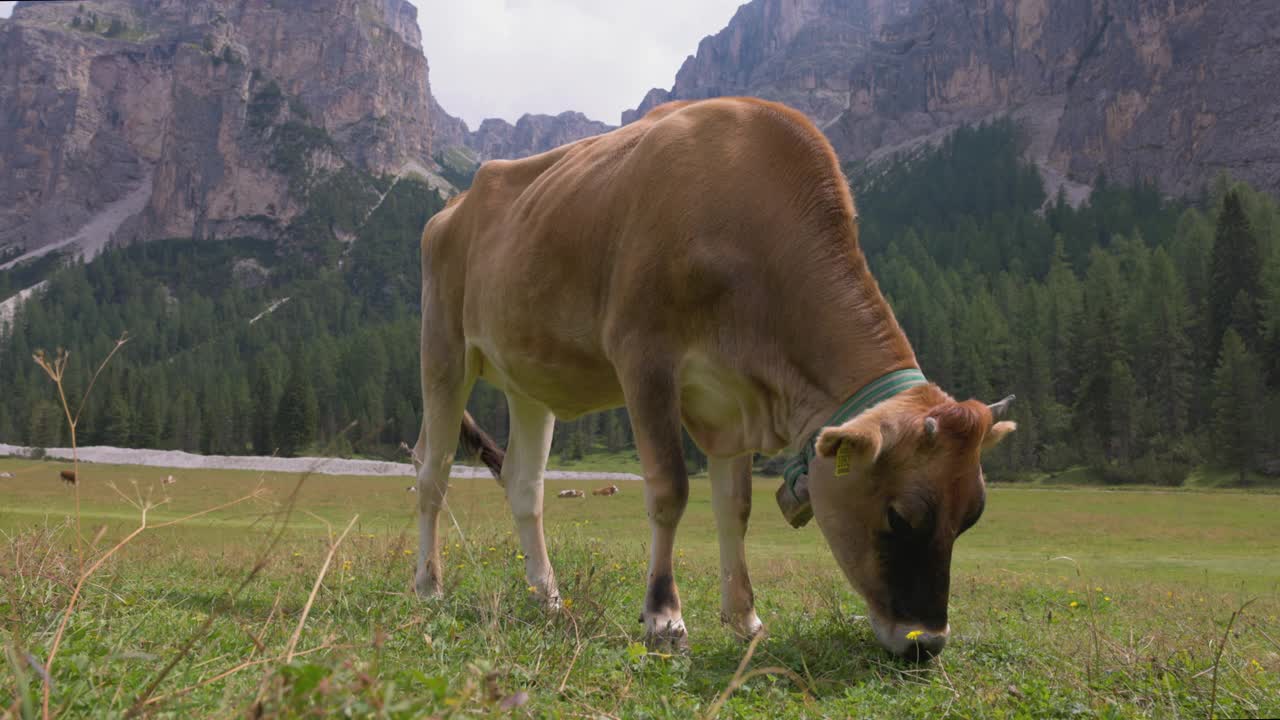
[{"x": 504, "y": 58}]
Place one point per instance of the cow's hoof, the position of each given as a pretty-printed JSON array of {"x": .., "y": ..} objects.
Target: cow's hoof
[
  {"x": 745, "y": 626},
  {"x": 666, "y": 635},
  {"x": 427, "y": 586}
]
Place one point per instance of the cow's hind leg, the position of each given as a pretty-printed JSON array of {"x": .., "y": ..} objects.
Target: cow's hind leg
[
  {"x": 527, "y": 449},
  {"x": 731, "y": 503},
  {"x": 445, "y": 388},
  {"x": 653, "y": 403}
]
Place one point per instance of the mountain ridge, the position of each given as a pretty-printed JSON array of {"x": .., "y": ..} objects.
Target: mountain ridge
[{"x": 1138, "y": 89}]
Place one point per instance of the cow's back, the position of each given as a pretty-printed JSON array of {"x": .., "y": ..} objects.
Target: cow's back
[{"x": 555, "y": 264}]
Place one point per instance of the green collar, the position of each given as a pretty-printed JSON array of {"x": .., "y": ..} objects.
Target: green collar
[{"x": 874, "y": 393}]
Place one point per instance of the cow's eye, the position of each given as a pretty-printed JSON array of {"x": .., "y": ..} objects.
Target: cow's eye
[{"x": 898, "y": 524}]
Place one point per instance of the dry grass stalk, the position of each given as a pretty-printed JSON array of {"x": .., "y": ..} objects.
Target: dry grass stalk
[
  {"x": 1222, "y": 647},
  {"x": 315, "y": 588},
  {"x": 740, "y": 677},
  {"x": 56, "y": 369}
]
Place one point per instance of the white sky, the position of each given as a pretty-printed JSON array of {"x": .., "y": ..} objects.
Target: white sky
[
  {"x": 504, "y": 58},
  {"x": 6, "y": 8}
]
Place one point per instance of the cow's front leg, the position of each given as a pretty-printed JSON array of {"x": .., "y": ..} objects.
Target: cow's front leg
[
  {"x": 527, "y": 449},
  {"x": 731, "y": 502},
  {"x": 653, "y": 404}
]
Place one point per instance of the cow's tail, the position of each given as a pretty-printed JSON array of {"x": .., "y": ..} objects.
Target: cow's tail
[{"x": 478, "y": 443}]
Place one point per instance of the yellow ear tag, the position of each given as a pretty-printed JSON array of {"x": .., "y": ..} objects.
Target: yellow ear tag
[{"x": 844, "y": 459}]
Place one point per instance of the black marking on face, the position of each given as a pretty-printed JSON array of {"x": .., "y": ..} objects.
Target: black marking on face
[
  {"x": 916, "y": 568},
  {"x": 662, "y": 594},
  {"x": 972, "y": 518}
]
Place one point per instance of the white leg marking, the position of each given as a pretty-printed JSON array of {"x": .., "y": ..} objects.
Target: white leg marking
[
  {"x": 531, "y": 428},
  {"x": 731, "y": 503},
  {"x": 437, "y": 442}
]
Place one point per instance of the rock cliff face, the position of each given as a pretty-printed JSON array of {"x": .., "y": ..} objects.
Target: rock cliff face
[
  {"x": 531, "y": 134},
  {"x": 224, "y": 109},
  {"x": 1171, "y": 90}
]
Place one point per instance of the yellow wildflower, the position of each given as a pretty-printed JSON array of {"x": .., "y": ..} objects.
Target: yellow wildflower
[
  {"x": 519, "y": 556},
  {"x": 408, "y": 552},
  {"x": 533, "y": 589},
  {"x": 1106, "y": 598},
  {"x": 914, "y": 634},
  {"x": 568, "y": 603},
  {"x": 1075, "y": 604}
]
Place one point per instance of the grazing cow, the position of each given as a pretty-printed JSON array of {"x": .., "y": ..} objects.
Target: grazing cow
[
  {"x": 571, "y": 494},
  {"x": 68, "y": 476},
  {"x": 611, "y": 490},
  {"x": 701, "y": 267}
]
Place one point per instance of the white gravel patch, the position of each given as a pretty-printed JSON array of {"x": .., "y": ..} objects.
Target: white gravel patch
[
  {"x": 324, "y": 466},
  {"x": 89, "y": 240}
]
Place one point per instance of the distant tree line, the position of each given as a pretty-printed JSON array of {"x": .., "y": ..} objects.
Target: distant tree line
[{"x": 1141, "y": 335}]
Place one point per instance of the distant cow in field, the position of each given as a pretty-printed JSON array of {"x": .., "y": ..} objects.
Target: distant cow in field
[
  {"x": 571, "y": 494},
  {"x": 702, "y": 267},
  {"x": 68, "y": 476},
  {"x": 610, "y": 490},
  {"x": 5, "y": 475}
]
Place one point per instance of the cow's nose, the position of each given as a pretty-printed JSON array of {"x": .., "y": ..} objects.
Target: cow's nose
[{"x": 919, "y": 644}]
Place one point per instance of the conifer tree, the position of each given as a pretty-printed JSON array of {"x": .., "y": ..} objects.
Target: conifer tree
[
  {"x": 264, "y": 412},
  {"x": 1238, "y": 418},
  {"x": 118, "y": 422},
  {"x": 295, "y": 427},
  {"x": 1235, "y": 268},
  {"x": 1164, "y": 359}
]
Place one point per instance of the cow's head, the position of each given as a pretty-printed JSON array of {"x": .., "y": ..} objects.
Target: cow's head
[{"x": 898, "y": 485}]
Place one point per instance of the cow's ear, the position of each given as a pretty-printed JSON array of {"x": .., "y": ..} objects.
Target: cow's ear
[
  {"x": 998, "y": 432},
  {"x": 862, "y": 438}
]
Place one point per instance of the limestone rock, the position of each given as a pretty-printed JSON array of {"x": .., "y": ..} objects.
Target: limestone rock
[
  {"x": 219, "y": 105},
  {"x": 531, "y": 134},
  {"x": 1174, "y": 92}
]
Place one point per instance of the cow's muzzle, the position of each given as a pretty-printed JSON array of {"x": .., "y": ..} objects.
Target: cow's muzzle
[{"x": 910, "y": 640}]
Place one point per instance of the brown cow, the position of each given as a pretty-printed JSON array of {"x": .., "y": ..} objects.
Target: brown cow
[
  {"x": 607, "y": 490},
  {"x": 700, "y": 266}
]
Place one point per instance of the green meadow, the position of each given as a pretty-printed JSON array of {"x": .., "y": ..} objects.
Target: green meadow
[{"x": 1066, "y": 602}]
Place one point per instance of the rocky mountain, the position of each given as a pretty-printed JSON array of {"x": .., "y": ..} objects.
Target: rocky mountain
[
  {"x": 532, "y": 134},
  {"x": 1175, "y": 91},
  {"x": 201, "y": 118}
]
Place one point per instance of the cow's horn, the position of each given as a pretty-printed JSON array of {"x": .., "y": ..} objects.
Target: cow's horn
[
  {"x": 999, "y": 409},
  {"x": 931, "y": 427}
]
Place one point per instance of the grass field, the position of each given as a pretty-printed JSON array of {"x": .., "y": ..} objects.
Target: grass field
[{"x": 1130, "y": 625}]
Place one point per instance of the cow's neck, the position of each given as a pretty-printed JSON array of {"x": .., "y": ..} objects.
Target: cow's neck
[{"x": 860, "y": 342}]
